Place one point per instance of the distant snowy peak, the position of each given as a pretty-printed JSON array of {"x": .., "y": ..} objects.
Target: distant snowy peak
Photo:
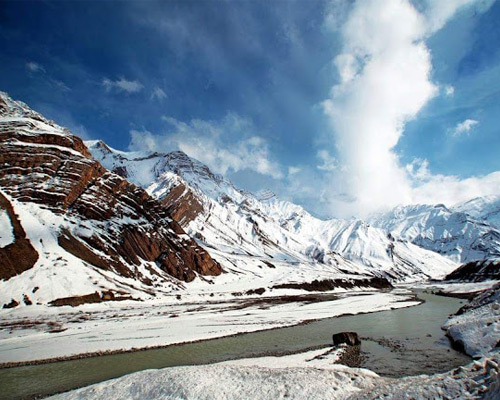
[
  {"x": 265, "y": 195},
  {"x": 455, "y": 234},
  {"x": 485, "y": 208}
]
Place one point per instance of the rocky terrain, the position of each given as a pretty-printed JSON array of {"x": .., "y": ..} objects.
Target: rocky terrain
[
  {"x": 476, "y": 271},
  {"x": 156, "y": 236},
  {"x": 73, "y": 228},
  {"x": 475, "y": 328}
]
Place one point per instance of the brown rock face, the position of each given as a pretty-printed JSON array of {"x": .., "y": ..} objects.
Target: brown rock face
[
  {"x": 182, "y": 204},
  {"x": 20, "y": 255},
  {"x": 349, "y": 338},
  {"x": 42, "y": 163}
]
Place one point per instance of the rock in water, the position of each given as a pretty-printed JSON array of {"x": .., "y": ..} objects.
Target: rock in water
[{"x": 349, "y": 338}]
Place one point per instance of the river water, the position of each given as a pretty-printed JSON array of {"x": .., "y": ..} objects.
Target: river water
[{"x": 400, "y": 342}]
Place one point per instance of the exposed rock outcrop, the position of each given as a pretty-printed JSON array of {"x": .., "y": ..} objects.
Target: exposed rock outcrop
[
  {"x": 20, "y": 255},
  {"x": 331, "y": 284},
  {"x": 477, "y": 271},
  {"x": 182, "y": 204},
  {"x": 348, "y": 338},
  {"x": 112, "y": 224}
]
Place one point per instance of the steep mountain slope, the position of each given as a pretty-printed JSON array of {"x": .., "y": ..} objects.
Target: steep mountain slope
[
  {"x": 477, "y": 271},
  {"x": 373, "y": 247},
  {"x": 235, "y": 222},
  {"x": 485, "y": 208},
  {"x": 454, "y": 234},
  {"x": 72, "y": 228}
]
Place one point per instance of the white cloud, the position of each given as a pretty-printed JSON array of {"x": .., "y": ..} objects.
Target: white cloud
[
  {"x": 228, "y": 145},
  {"x": 122, "y": 85},
  {"x": 293, "y": 170},
  {"x": 449, "y": 90},
  {"x": 385, "y": 80},
  {"x": 448, "y": 189},
  {"x": 328, "y": 163},
  {"x": 464, "y": 127},
  {"x": 158, "y": 94},
  {"x": 34, "y": 67}
]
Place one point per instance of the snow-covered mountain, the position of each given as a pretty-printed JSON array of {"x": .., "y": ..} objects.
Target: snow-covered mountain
[
  {"x": 485, "y": 208},
  {"x": 456, "y": 234},
  {"x": 235, "y": 222},
  {"x": 72, "y": 231},
  {"x": 83, "y": 222}
]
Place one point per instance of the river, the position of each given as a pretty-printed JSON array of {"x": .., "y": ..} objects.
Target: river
[{"x": 400, "y": 342}]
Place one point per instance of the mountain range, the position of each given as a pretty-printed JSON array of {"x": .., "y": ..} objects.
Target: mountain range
[{"x": 83, "y": 222}]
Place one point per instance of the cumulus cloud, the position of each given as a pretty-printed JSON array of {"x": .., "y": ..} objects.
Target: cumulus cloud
[
  {"x": 34, "y": 67},
  {"x": 449, "y": 189},
  {"x": 464, "y": 127},
  {"x": 158, "y": 94},
  {"x": 384, "y": 81},
  {"x": 228, "y": 145},
  {"x": 122, "y": 85}
]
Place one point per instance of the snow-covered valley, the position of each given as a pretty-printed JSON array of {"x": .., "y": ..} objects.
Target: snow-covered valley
[
  {"x": 110, "y": 252},
  {"x": 285, "y": 371}
]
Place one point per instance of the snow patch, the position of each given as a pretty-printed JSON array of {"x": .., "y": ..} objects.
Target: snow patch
[{"x": 6, "y": 229}]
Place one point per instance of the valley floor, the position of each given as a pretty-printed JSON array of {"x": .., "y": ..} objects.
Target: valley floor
[
  {"x": 312, "y": 374},
  {"x": 40, "y": 332}
]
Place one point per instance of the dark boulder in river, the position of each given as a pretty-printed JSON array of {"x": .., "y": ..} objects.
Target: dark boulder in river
[{"x": 349, "y": 338}]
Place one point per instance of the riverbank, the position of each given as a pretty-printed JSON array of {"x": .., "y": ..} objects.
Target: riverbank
[
  {"x": 417, "y": 328},
  {"x": 312, "y": 375},
  {"x": 28, "y": 335}
]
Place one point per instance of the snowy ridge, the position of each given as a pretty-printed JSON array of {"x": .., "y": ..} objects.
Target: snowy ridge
[
  {"x": 485, "y": 208},
  {"x": 454, "y": 234},
  {"x": 59, "y": 274},
  {"x": 237, "y": 222}
]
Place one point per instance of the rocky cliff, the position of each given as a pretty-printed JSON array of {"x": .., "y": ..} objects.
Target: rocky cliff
[{"x": 95, "y": 215}]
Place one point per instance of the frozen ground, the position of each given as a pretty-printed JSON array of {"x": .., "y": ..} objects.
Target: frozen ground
[
  {"x": 40, "y": 332},
  {"x": 308, "y": 376}
]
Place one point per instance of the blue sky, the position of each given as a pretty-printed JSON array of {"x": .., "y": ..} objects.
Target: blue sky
[{"x": 262, "y": 91}]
